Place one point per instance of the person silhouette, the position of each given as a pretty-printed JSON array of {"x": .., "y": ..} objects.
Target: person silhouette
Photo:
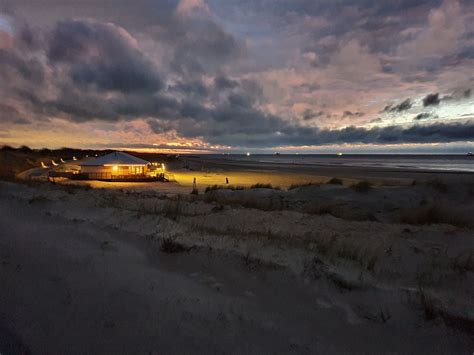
[
  {"x": 227, "y": 181},
  {"x": 194, "y": 184}
]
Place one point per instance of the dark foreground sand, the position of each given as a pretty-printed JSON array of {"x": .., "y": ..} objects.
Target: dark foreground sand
[{"x": 82, "y": 272}]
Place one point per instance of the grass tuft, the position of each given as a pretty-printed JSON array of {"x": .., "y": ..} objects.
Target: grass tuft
[
  {"x": 172, "y": 209},
  {"x": 362, "y": 186},
  {"x": 334, "y": 181},
  {"x": 433, "y": 214},
  {"x": 264, "y": 186},
  {"x": 223, "y": 187},
  {"x": 170, "y": 246}
]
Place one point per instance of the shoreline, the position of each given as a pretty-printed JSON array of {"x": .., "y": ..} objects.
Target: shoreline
[{"x": 299, "y": 173}]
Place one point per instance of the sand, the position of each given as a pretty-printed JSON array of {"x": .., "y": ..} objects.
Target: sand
[{"x": 149, "y": 268}]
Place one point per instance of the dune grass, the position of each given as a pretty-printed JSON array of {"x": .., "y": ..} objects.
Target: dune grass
[
  {"x": 264, "y": 186},
  {"x": 362, "y": 186},
  {"x": 433, "y": 214},
  {"x": 223, "y": 187},
  {"x": 334, "y": 181},
  {"x": 170, "y": 246},
  {"x": 172, "y": 209}
]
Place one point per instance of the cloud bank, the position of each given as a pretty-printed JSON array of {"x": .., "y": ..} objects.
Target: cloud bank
[{"x": 238, "y": 74}]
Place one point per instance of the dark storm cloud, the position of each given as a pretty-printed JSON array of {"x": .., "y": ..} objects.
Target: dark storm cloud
[
  {"x": 431, "y": 100},
  {"x": 193, "y": 88},
  {"x": 14, "y": 66},
  {"x": 204, "y": 47},
  {"x": 82, "y": 107},
  {"x": 352, "y": 114},
  {"x": 103, "y": 55},
  {"x": 299, "y": 136},
  {"x": 10, "y": 114},
  {"x": 309, "y": 114},
  {"x": 422, "y": 116},
  {"x": 403, "y": 106},
  {"x": 172, "y": 147},
  {"x": 222, "y": 82}
]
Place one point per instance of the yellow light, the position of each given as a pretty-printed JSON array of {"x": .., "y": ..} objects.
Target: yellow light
[
  {"x": 115, "y": 168},
  {"x": 163, "y": 166}
]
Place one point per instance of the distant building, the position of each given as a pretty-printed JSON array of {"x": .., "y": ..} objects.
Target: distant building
[{"x": 117, "y": 165}]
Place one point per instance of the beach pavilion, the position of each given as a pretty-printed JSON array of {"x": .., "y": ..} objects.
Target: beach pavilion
[{"x": 116, "y": 165}]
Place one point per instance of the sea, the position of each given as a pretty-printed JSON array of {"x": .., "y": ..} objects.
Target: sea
[{"x": 460, "y": 163}]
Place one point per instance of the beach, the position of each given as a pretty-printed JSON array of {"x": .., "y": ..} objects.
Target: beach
[{"x": 283, "y": 259}]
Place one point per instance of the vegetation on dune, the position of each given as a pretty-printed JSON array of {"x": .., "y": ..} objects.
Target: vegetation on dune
[
  {"x": 236, "y": 187},
  {"x": 169, "y": 245},
  {"x": 223, "y": 187},
  {"x": 264, "y": 186},
  {"x": 172, "y": 209},
  {"x": 334, "y": 181},
  {"x": 362, "y": 186},
  {"x": 433, "y": 214}
]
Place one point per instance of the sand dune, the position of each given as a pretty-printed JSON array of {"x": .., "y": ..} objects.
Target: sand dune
[{"x": 256, "y": 271}]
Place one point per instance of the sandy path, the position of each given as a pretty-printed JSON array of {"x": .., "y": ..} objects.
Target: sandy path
[{"x": 75, "y": 288}]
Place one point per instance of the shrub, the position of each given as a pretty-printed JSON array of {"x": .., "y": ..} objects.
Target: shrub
[
  {"x": 223, "y": 187},
  {"x": 169, "y": 245},
  {"x": 433, "y": 214},
  {"x": 264, "y": 186},
  {"x": 25, "y": 149},
  {"x": 341, "y": 283},
  {"x": 7, "y": 148},
  {"x": 335, "y": 181},
  {"x": 172, "y": 209},
  {"x": 362, "y": 186}
]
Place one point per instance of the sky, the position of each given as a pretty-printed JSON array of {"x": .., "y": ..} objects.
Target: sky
[{"x": 238, "y": 75}]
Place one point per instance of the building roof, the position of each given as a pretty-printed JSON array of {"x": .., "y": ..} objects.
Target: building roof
[{"x": 115, "y": 158}]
